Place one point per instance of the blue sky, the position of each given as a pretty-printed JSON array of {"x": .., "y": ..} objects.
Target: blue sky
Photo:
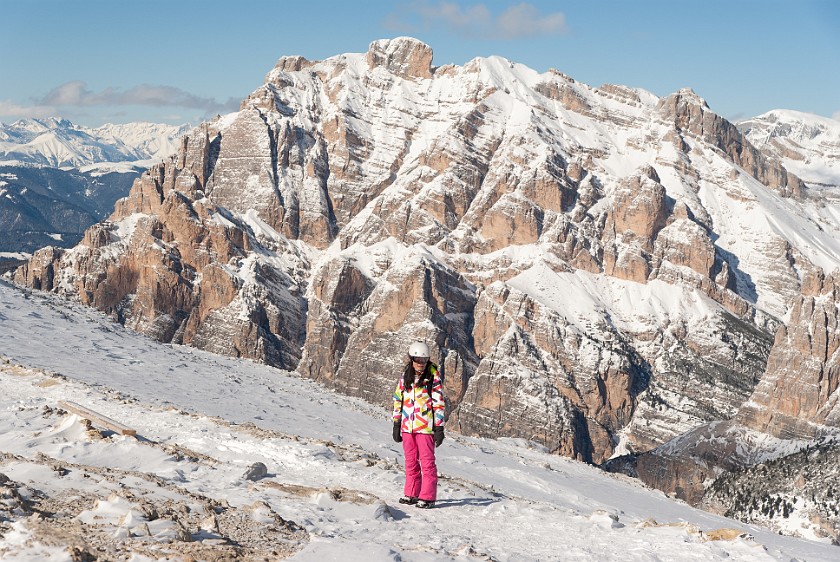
[{"x": 177, "y": 61}]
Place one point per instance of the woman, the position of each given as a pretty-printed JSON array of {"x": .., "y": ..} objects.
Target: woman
[{"x": 418, "y": 423}]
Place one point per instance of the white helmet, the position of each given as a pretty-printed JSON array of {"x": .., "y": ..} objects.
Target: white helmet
[{"x": 419, "y": 349}]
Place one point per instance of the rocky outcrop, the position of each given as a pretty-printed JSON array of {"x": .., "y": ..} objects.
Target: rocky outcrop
[
  {"x": 404, "y": 57},
  {"x": 691, "y": 115},
  {"x": 39, "y": 272},
  {"x": 361, "y": 323},
  {"x": 166, "y": 265},
  {"x": 543, "y": 380},
  {"x": 566, "y": 93},
  {"x": 798, "y": 397},
  {"x": 684, "y": 243},
  {"x": 638, "y": 214}
]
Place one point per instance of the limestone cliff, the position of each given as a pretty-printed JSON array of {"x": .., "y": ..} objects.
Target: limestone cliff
[{"x": 793, "y": 408}]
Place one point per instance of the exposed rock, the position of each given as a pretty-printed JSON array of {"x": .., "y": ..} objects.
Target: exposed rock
[
  {"x": 39, "y": 271},
  {"x": 256, "y": 471},
  {"x": 542, "y": 380},
  {"x": 684, "y": 243},
  {"x": 164, "y": 268},
  {"x": 695, "y": 378},
  {"x": 684, "y": 466},
  {"x": 362, "y": 326},
  {"x": 567, "y": 94},
  {"x": 796, "y": 401},
  {"x": 404, "y": 57},
  {"x": 292, "y": 64},
  {"x": 798, "y": 396},
  {"x": 623, "y": 93},
  {"x": 638, "y": 214}
]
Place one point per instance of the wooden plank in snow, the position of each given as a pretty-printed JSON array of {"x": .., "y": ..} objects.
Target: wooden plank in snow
[{"x": 96, "y": 418}]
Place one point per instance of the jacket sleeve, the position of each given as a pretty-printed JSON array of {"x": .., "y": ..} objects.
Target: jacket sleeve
[
  {"x": 438, "y": 401},
  {"x": 398, "y": 395}
]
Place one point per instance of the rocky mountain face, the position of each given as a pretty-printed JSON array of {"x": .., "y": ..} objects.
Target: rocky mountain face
[
  {"x": 596, "y": 269},
  {"x": 752, "y": 466},
  {"x": 805, "y": 357}
]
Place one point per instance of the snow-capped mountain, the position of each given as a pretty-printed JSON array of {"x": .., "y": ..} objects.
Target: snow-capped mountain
[
  {"x": 58, "y": 143},
  {"x": 807, "y": 144},
  {"x": 598, "y": 270},
  {"x": 56, "y": 178}
]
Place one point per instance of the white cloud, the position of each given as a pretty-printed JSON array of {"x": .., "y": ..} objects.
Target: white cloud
[
  {"x": 74, "y": 100},
  {"x": 10, "y": 110},
  {"x": 525, "y": 20},
  {"x": 76, "y": 93},
  {"x": 836, "y": 116},
  {"x": 517, "y": 21}
]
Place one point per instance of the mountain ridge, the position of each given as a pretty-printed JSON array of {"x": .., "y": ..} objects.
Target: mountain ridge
[
  {"x": 807, "y": 144},
  {"x": 59, "y": 143}
]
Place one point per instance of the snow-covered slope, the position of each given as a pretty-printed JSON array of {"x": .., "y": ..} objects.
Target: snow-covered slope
[
  {"x": 333, "y": 474},
  {"x": 59, "y": 143},
  {"x": 808, "y": 144}
]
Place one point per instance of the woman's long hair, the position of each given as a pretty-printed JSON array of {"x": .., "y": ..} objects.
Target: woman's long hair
[{"x": 409, "y": 374}]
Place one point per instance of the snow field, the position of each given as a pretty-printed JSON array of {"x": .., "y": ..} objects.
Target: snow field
[{"x": 333, "y": 473}]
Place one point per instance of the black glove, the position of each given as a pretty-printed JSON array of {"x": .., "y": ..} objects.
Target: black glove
[
  {"x": 438, "y": 435},
  {"x": 397, "y": 434}
]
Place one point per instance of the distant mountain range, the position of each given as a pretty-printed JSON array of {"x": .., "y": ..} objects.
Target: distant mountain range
[
  {"x": 58, "y": 143},
  {"x": 57, "y": 179}
]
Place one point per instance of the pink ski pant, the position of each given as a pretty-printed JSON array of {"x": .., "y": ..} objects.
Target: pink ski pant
[{"x": 420, "y": 468}]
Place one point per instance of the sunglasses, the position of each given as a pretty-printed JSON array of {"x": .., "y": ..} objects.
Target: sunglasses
[{"x": 420, "y": 360}]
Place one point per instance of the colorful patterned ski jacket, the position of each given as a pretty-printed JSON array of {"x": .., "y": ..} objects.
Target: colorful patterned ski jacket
[{"x": 418, "y": 411}]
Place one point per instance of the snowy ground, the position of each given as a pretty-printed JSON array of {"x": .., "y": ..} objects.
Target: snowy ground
[{"x": 178, "y": 490}]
